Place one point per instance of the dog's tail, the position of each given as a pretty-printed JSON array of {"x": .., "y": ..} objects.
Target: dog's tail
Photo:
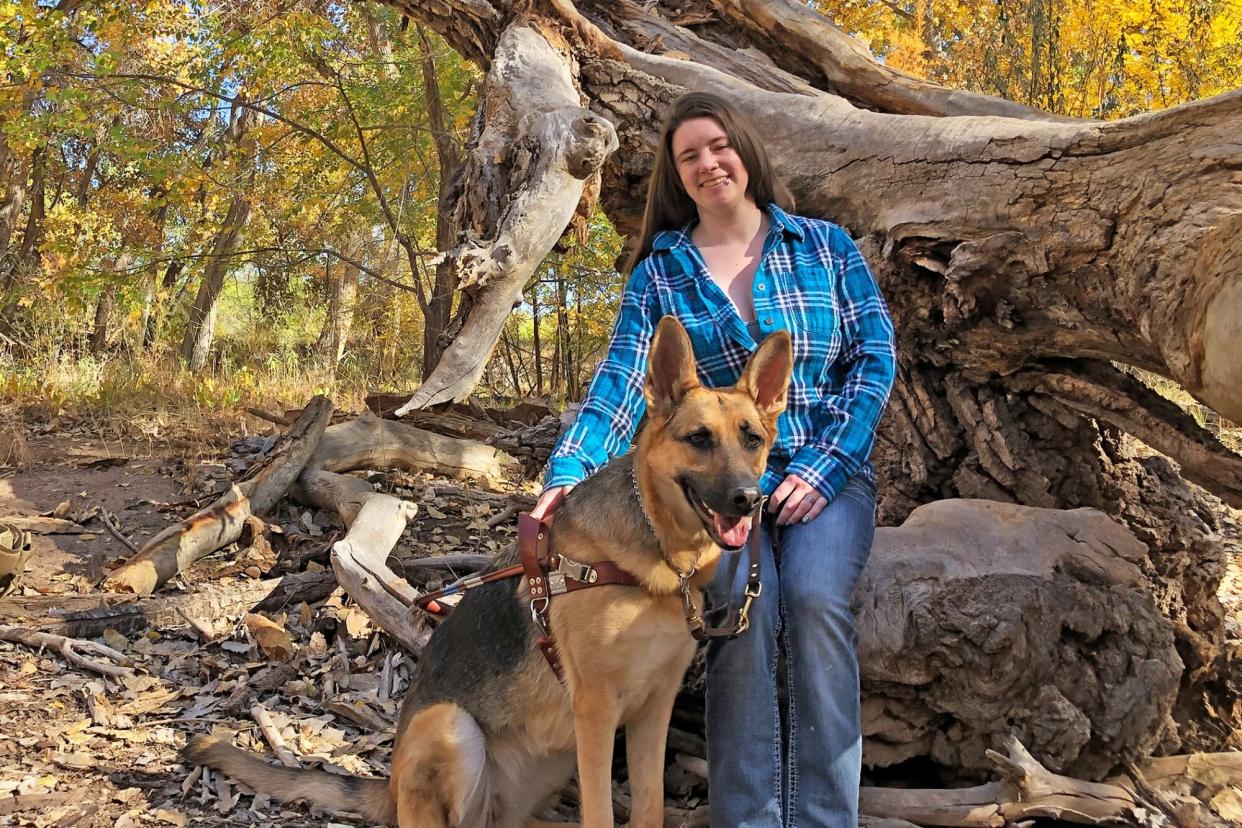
[{"x": 369, "y": 798}]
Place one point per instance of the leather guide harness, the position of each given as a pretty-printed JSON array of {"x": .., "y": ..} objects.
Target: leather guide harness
[{"x": 547, "y": 574}]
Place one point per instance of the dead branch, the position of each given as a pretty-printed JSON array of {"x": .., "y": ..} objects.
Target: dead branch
[
  {"x": 274, "y": 740},
  {"x": 375, "y": 522},
  {"x": 172, "y": 550},
  {"x": 71, "y": 649},
  {"x": 87, "y": 616}
]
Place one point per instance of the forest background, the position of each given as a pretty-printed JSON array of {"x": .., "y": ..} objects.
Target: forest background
[{"x": 205, "y": 206}]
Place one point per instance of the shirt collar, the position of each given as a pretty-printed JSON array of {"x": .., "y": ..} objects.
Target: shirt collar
[{"x": 781, "y": 221}]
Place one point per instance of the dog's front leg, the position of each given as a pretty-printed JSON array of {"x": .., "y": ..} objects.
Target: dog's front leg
[
  {"x": 645, "y": 738},
  {"x": 596, "y": 716}
]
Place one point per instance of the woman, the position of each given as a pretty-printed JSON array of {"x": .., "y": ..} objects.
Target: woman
[{"x": 719, "y": 251}]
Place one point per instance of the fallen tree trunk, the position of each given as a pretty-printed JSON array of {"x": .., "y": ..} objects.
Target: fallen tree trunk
[
  {"x": 979, "y": 620},
  {"x": 87, "y": 616},
  {"x": 172, "y": 550},
  {"x": 371, "y": 443}
]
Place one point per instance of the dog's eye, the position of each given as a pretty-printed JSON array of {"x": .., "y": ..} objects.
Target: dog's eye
[
  {"x": 700, "y": 439},
  {"x": 751, "y": 440}
]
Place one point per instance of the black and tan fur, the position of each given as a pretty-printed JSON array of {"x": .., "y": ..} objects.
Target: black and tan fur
[{"x": 487, "y": 733}]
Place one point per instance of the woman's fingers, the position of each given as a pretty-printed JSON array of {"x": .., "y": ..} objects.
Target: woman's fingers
[
  {"x": 797, "y": 501},
  {"x": 548, "y": 501}
]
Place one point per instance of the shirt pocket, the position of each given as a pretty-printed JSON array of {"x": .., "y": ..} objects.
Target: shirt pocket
[{"x": 814, "y": 315}]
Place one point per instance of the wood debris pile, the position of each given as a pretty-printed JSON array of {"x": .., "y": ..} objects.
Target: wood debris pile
[{"x": 271, "y": 638}]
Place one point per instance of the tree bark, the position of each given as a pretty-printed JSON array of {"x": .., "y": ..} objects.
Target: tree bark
[
  {"x": 439, "y": 309},
  {"x": 1024, "y": 256},
  {"x": 525, "y": 172}
]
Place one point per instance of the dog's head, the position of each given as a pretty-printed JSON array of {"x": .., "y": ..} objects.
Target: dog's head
[{"x": 704, "y": 449}]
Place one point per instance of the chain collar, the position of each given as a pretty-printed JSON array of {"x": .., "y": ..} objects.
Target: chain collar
[
  {"x": 683, "y": 578},
  {"x": 643, "y": 506}
]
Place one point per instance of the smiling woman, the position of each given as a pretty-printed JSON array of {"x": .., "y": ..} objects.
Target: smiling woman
[{"x": 718, "y": 252}]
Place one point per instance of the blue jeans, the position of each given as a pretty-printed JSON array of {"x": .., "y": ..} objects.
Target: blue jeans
[{"x": 809, "y": 777}]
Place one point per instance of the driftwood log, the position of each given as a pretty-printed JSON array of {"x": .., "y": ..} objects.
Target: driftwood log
[
  {"x": 375, "y": 522},
  {"x": 87, "y": 616},
  {"x": 220, "y": 524},
  {"x": 372, "y": 443}
]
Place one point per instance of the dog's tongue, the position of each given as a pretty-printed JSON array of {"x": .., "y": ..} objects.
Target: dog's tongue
[{"x": 732, "y": 530}]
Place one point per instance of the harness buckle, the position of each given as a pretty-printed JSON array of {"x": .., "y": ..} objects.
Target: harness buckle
[{"x": 566, "y": 568}]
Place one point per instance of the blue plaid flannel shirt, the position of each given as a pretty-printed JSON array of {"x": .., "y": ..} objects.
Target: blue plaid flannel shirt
[{"x": 811, "y": 281}]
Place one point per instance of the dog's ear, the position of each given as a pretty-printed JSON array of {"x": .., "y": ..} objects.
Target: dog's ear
[
  {"x": 766, "y": 375},
  {"x": 670, "y": 366}
]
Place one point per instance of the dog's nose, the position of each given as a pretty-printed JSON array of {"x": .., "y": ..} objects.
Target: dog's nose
[{"x": 745, "y": 498}]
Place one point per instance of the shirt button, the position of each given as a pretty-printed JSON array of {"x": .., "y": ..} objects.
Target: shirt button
[
  {"x": 767, "y": 321},
  {"x": 762, "y": 287}
]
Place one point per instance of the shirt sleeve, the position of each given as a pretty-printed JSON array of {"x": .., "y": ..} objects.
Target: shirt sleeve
[
  {"x": 614, "y": 403},
  {"x": 845, "y": 423}
]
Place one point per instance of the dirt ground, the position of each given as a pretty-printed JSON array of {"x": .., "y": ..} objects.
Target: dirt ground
[{"x": 79, "y": 750}]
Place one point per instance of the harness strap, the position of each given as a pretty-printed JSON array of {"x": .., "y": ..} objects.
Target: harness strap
[
  {"x": 738, "y": 620},
  {"x": 545, "y": 575},
  {"x": 533, "y": 549}
]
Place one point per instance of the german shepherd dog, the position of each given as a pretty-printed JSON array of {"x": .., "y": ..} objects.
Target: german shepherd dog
[{"x": 487, "y": 733}]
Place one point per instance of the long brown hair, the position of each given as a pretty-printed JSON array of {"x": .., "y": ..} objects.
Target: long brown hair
[{"x": 668, "y": 203}]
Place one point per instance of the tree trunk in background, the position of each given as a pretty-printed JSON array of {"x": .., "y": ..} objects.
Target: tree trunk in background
[
  {"x": 30, "y": 254},
  {"x": 151, "y": 278},
  {"x": 200, "y": 327},
  {"x": 342, "y": 294},
  {"x": 155, "y": 316},
  {"x": 563, "y": 344},
  {"x": 1023, "y": 255},
  {"x": 103, "y": 320},
  {"x": 13, "y": 186},
  {"x": 537, "y": 344},
  {"x": 439, "y": 310},
  {"x": 511, "y": 362}
]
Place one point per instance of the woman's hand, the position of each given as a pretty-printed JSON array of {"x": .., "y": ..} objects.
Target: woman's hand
[
  {"x": 796, "y": 499},
  {"x": 547, "y": 502}
]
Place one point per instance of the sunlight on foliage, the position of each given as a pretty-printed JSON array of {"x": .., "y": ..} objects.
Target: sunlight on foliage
[{"x": 268, "y": 176}]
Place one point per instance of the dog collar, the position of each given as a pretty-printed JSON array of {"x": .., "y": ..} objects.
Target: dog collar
[{"x": 643, "y": 506}]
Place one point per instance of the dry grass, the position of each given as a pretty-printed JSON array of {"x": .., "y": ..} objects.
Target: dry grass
[
  {"x": 1229, "y": 433},
  {"x": 14, "y": 452},
  {"x": 153, "y": 398}
]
